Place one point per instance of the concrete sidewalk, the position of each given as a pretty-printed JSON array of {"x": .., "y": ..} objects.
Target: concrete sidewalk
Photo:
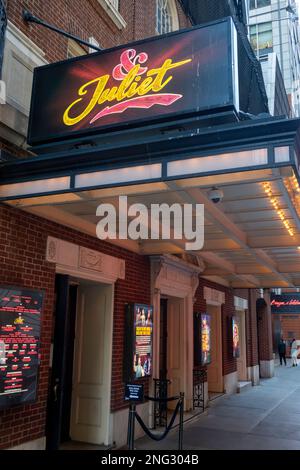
[{"x": 264, "y": 417}]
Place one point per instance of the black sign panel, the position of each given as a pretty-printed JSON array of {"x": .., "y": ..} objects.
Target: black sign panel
[
  {"x": 182, "y": 73},
  {"x": 286, "y": 303},
  {"x": 134, "y": 392},
  {"x": 20, "y": 327}
]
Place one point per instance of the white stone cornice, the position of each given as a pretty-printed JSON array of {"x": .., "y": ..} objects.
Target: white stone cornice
[{"x": 82, "y": 262}]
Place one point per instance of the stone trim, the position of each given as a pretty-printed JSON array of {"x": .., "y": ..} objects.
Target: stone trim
[
  {"x": 213, "y": 296},
  {"x": 77, "y": 260},
  {"x": 240, "y": 304},
  {"x": 114, "y": 14}
]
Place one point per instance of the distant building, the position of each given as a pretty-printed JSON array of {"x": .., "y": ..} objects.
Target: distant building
[{"x": 274, "y": 28}]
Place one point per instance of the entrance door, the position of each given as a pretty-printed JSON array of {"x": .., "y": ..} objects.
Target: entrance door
[
  {"x": 175, "y": 356},
  {"x": 92, "y": 365},
  {"x": 163, "y": 340},
  {"x": 242, "y": 360},
  {"x": 215, "y": 368},
  {"x": 60, "y": 391}
]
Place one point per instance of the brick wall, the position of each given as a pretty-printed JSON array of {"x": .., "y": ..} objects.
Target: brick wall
[
  {"x": 140, "y": 17},
  {"x": 290, "y": 328},
  {"x": 22, "y": 263}
]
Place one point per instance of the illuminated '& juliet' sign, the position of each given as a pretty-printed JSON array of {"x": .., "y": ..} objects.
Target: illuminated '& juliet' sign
[
  {"x": 168, "y": 77},
  {"x": 131, "y": 93}
]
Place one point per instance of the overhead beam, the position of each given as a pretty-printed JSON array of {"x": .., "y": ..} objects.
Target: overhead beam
[
  {"x": 77, "y": 223},
  {"x": 237, "y": 235}
]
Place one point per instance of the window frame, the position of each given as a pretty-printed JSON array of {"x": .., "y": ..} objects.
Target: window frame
[{"x": 173, "y": 17}]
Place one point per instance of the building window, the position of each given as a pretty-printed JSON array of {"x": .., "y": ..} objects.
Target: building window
[
  {"x": 261, "y": 38},
  {"x": 114, "y": 4},
  {"x": 259, "y": 4},
  {"x": 112, "y": 8},
  {"x": 166, "y": 16},
  {"x": 74, "y": 49}
]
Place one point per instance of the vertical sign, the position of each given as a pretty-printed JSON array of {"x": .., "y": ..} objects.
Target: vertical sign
[
  {"x": 20, "y": 326},
  {"x": 236, "y": 336},
  {"x": 138, "y": 344},
  {"x": 143, "y": 326},
  {"x": 202, "y": 339},
  {"x": 205, "y": 339}
]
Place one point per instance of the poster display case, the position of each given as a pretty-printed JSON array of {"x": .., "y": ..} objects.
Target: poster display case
[
  {"x": 235, "y": 337},
  {"x": 20, "y": 328},
  {"x": 138, "y": 345},
  {"x": 202, "y": 339}
]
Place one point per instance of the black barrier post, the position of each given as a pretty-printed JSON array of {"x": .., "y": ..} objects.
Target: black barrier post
[
  {"x": 180, "y": 443},
  {"x": 131, "y": 426}
]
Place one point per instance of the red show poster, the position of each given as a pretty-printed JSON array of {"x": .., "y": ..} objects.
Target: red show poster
[
  {"x": 143, "y": 328},
  {"x": 20, "y": 326}
]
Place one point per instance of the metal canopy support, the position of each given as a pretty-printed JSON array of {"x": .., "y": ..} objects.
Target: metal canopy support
[{"x": 30, "y": 18}]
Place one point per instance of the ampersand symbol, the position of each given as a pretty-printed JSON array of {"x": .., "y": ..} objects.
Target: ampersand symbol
[{"x": 130, "y": 59}]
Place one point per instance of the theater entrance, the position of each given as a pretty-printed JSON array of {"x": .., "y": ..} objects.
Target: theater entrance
[
  {"x": 80, "y": 366},
  {"x": 215, "y": 368}
]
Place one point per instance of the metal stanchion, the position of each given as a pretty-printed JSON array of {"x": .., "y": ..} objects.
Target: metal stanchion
[
  {"x": 180, "y": 441},
  {"x": 131, "y": 426},
  {"x": 133, "y": 415}
]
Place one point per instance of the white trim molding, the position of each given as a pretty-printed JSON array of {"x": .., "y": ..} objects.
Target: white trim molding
[
  {"x": 213, "y": 296},
  {"x": 240, "y": 304},
  {"x": 82, "y": 262},
  {"x": 113, "y": 13}
]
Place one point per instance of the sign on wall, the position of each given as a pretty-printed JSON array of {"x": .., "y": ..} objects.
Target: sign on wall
[
  {"x": 285, "y": 303},
  {"x": 236, "y": 336},
  {"x": 202, "y": 339},
  {"x": 183, "y": 73},
  {"x": 20, "y": 327},
  {"x": 138, "y": 349},
  {"x": 134, "y": 392}
]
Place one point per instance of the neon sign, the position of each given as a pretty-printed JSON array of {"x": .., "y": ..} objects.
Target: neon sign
[
  {"x": 285, "y": 303},
  {"x": 129, "y": 72},
  {"x": 278, "y": 304},
  {"x": 165, "y": 78}
]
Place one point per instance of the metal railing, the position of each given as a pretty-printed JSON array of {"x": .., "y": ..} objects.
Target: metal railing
[
  {"x": 160, "y": 407},
  {"x": 199, "y": 378}
]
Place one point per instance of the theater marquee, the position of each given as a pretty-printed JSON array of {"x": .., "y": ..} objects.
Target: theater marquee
[{"x": 183, "y": 73}]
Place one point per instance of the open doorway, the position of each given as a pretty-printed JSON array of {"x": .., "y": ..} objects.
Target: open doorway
[
  {"x": 79, "y": 394},
  {"x": 215, "y": 368}
]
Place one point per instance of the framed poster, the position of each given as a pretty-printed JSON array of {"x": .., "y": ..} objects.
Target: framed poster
[
  {"x": 202, "y": 339},
  {"x": 235, "y": 336},
  {"x": 138, "y": 346},
  {"x": 20, "y": 328}
]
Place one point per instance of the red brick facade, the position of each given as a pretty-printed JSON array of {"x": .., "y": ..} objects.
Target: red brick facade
[
  {"x": 140, "y": 17},
  {"x": 23, "y": 239}
]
